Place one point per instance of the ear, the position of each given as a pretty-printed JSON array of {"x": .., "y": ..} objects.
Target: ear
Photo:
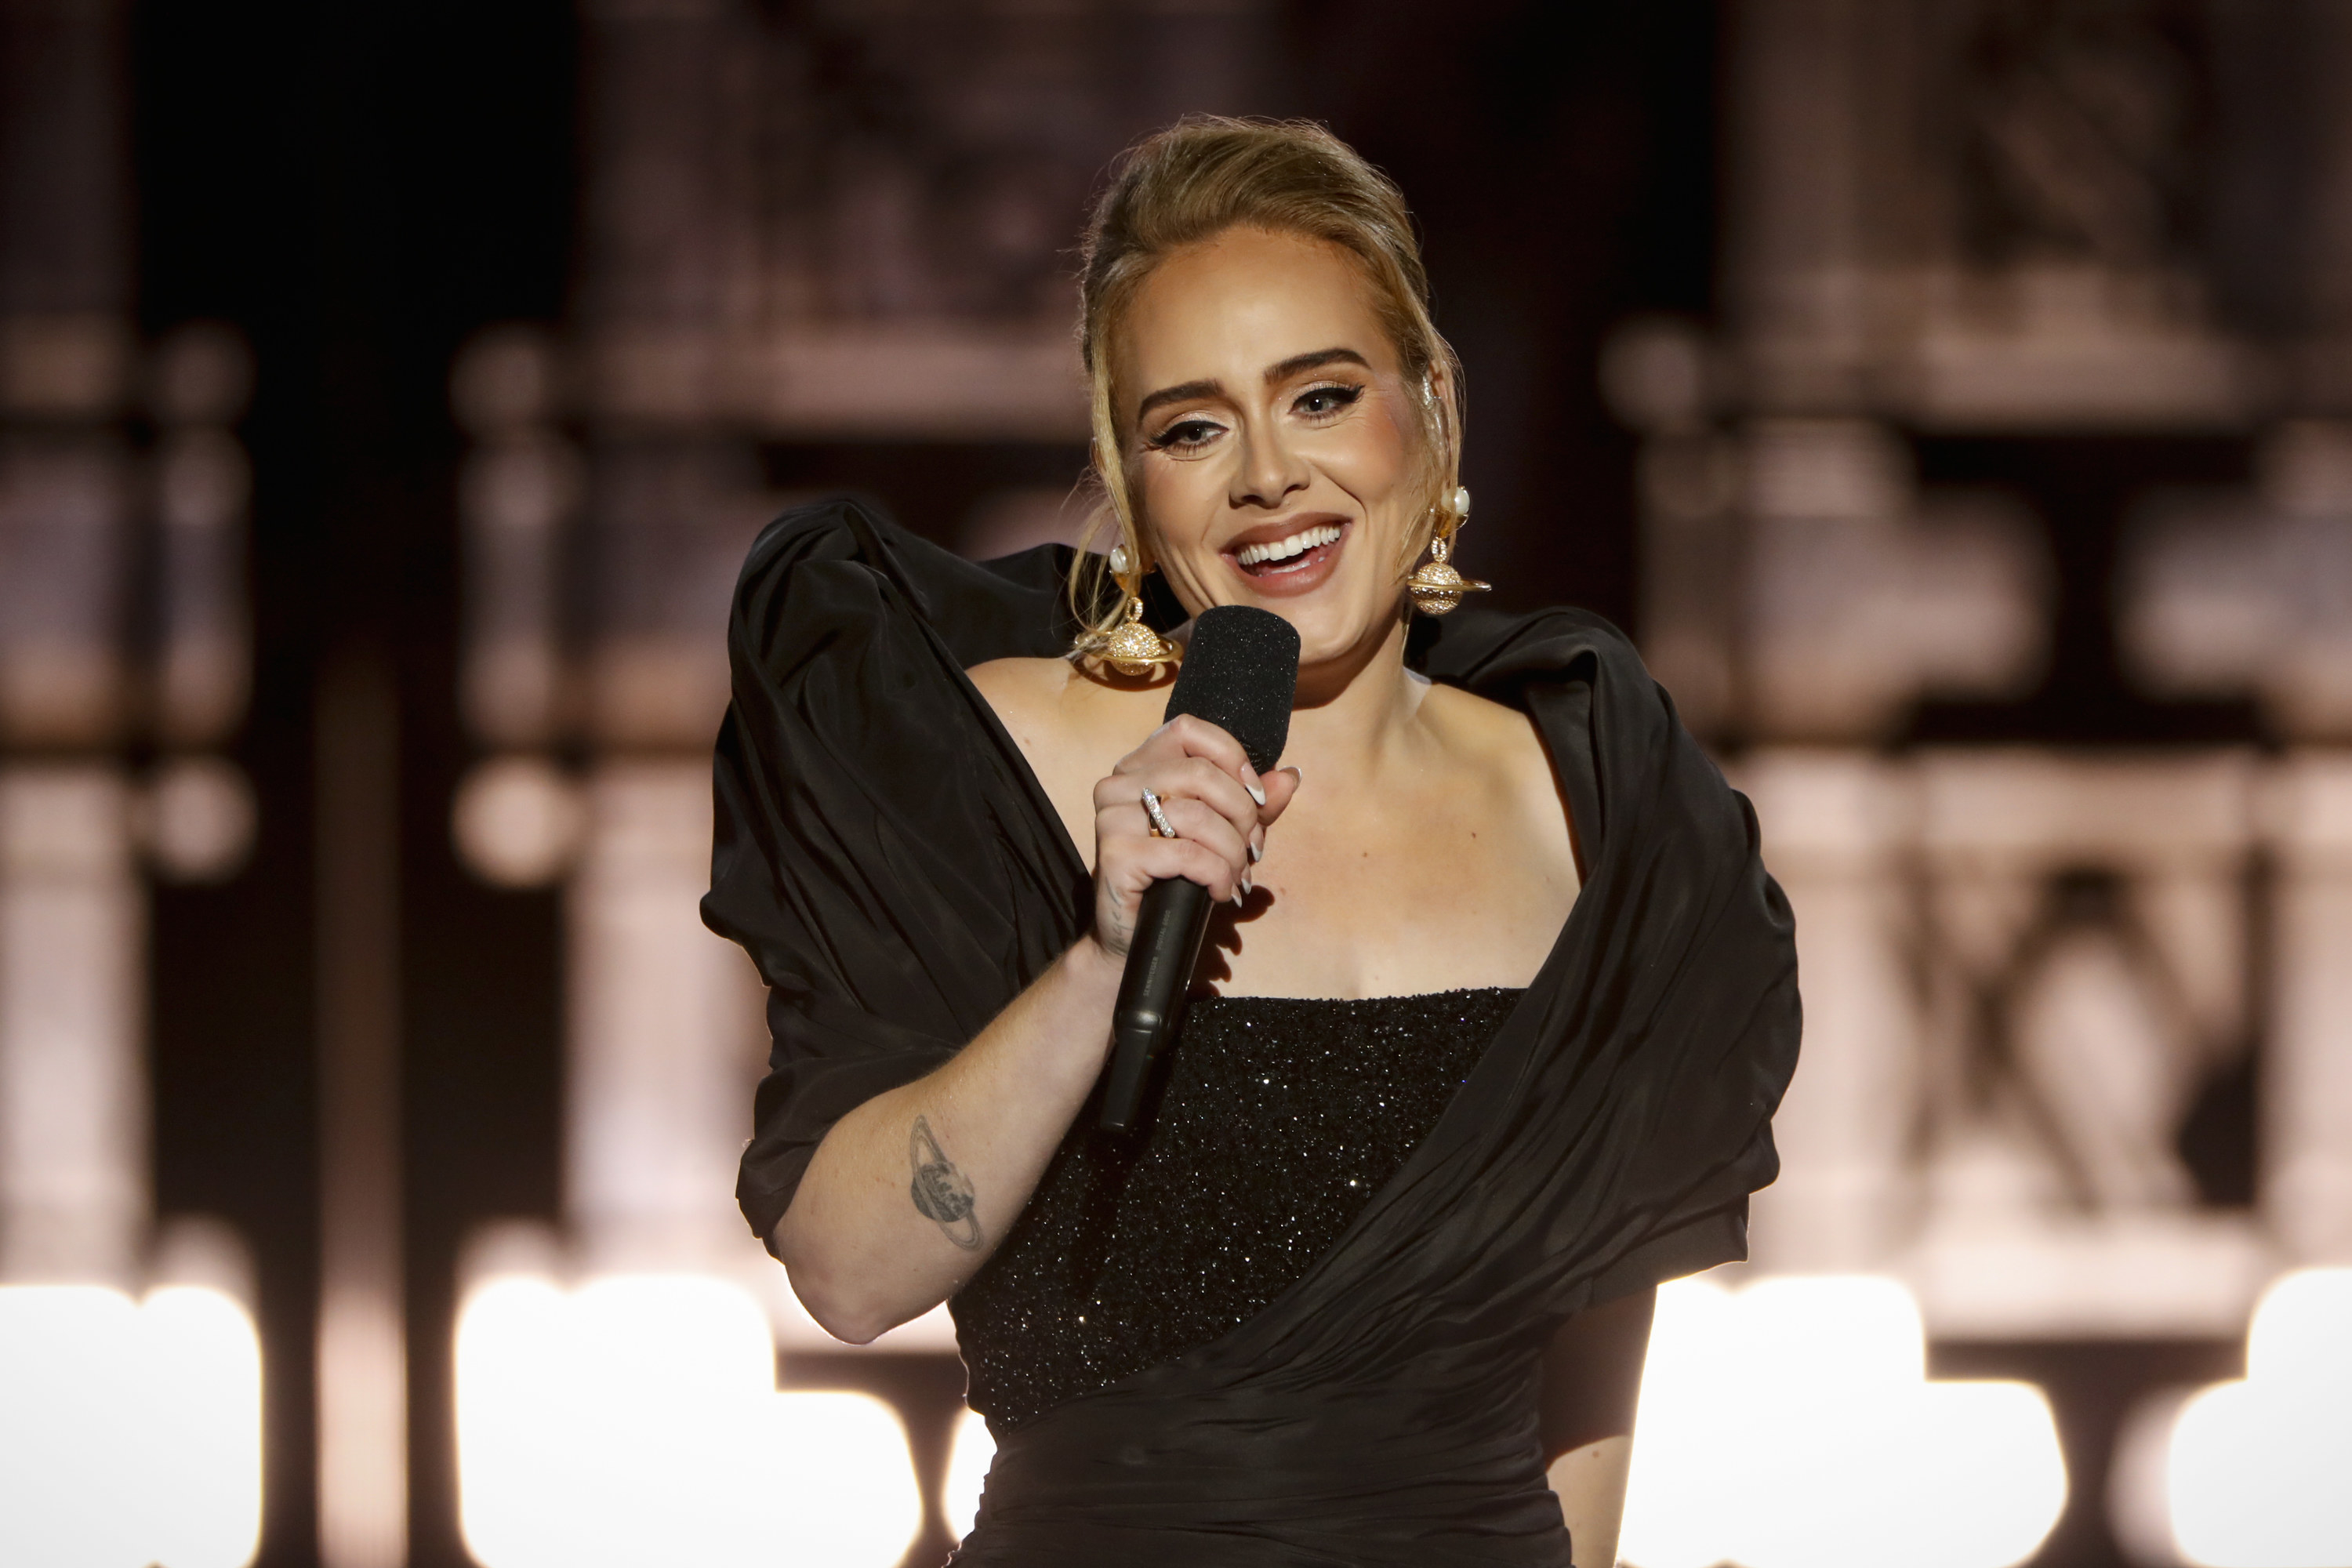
[{"x": 1437, "y": 385}]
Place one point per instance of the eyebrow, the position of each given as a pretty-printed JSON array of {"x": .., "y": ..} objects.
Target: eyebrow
[{"x": 1314, "y": 358}]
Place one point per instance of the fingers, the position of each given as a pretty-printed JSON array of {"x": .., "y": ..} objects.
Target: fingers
[
  {"x": 1219, "y": 806},
  {"x": 1281, "y": 789},
  {"x": 1187, "y": 736},
  {"x": 1195, "y": 821},
  {"x": 1171, "y": 779},
  {"x": 1140, "y": 863},
  {"x": 1122, "y": 829}
]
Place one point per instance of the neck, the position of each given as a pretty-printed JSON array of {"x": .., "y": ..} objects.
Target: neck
[{"x": 1352, "y": 712}]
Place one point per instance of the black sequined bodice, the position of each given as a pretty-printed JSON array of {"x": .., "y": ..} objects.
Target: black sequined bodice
[{"x": 1280, "y": 1118}]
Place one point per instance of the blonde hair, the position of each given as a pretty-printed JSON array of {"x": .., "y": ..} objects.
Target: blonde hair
[{"x": 1193, "y": 181}]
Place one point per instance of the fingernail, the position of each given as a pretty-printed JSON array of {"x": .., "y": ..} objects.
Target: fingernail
[
  {"x": 1247, "y": 890},
  {"x": 1293, "y": 771},
  {"x": 1257, "y": 791},
  {"x": 1256, "y": 853}
]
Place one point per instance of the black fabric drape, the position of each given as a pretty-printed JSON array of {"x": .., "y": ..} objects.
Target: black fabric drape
[{"x": 888, "y": 859}]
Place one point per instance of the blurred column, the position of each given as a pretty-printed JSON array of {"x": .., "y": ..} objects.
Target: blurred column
[
  {"x": 663, "y": 1015},
  {"x": 672, "y": 286},
  {"x": 657, "y": 218},
  {"x": 362, "y": 1379},
  {"x": 2326, "y": 354},
  {"x": 1797, "y": 138},
  {"x": 177, "y": 1458},
  {"x": 1657, "y": 375},
  {"x": 73, "y": 1111},
  {"x": 607, "y": 504},
  {"x": 196, "y": 818},
  {"x": 1833, "y": 827},
  {"x": 517, "y": 496},
  {"x": 65, "y": 371},
  {"x": 202, "y": 379},
  {"x": 2306, "y": 1191},
  {"x": 73, "y": 1167}
]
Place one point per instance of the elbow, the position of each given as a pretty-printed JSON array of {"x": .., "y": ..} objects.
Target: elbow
[
  {"x": 853, "y": 1316},
  {"x": 845, "y": 1320}
]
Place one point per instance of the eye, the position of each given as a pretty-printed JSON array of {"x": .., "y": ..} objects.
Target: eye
[
  {"x": 1320, "y": 401},
  {"x": 1186, "y": 436}
]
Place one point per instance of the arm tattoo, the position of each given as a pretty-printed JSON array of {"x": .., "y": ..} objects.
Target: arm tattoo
[{"x": 940, "y": 1192}]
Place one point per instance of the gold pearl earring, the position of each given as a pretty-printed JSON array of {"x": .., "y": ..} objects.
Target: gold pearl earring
[
  {"x": 1437, "y": 589},
  {"x": 1132, "y": 649}
]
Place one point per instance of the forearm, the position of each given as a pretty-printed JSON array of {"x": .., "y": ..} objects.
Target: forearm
[
  {"x": 1592, "y": 1385},
  {"x": 908, "y": 1194},
  {"x": 1591, "y": 1484}
]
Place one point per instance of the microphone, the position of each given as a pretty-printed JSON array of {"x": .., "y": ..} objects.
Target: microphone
[{"x": 1240, "y": 674}]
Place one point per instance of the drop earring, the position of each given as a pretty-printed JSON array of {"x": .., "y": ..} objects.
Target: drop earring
[
  {"x": 1437, "y": 589},
  {"x": 1131, "y": 648}
]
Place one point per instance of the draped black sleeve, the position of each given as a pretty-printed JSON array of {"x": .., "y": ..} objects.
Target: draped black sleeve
[
  {"x": 882, "y": 850},
  {"x": 890, "y": 862}
]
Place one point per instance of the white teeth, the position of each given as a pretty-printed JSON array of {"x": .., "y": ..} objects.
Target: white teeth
[{"x": 1283, "y": 549}]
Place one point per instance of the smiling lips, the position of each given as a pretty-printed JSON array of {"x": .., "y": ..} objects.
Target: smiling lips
[
  {"x": 1294, "y": 562},
  {"x": 1281, "y": 550}
]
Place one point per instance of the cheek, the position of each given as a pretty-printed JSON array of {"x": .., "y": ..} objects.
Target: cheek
[
  {"x": 1376, "y": 453},
  {"x": 1176, "y": 502},
  {"x": 1170, "y": 494}
]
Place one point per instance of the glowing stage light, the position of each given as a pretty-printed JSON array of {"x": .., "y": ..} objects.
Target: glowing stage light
[
  {"x": 636, "y": 1424},
  {"x": 1791, "y": 1426},
  {"x": 130, "y": 1433},
  {"x": 2260, "y": 1474},
  {"x": 204, "y": 1419},
  {"x": 967, "y": 1473}
]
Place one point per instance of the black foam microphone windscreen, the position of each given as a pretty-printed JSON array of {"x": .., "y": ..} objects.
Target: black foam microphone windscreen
[{"x": 1240, "y": 672}]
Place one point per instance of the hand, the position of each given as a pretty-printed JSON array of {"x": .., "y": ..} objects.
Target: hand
[{"x": 1215, "y": 800}]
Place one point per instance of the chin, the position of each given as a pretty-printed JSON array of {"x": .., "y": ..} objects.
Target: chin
[{"x": 1333, "y": 625}]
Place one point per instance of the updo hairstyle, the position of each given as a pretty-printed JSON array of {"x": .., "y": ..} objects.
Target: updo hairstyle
[{"x": 1193, "y": 181}]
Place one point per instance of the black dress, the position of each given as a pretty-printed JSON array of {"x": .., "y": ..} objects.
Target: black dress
[
  {"x": 1276, "y": 1119},
  {"x": 894, "y": 867}
]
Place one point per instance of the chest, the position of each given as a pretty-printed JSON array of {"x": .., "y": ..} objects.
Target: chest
[
  {"x": 1429, "y": 889},
  {"x": 1438, "y": 880}
]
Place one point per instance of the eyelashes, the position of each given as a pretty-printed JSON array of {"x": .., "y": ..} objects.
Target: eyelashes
[
  {"x": 1184, "y": 436},
  {"x": 1337, "y": 395},
  {"x": 1316, "y": 403}
]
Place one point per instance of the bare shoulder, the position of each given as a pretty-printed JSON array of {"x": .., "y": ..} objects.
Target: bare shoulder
[
  {"x": 1503, "y": 746},
  {"x": 1487, "y": 736},
  {"x": 1071, "y": 728},
  {"x": 1021, "y": 684},
  {"x": 1050, "y": 704},
  {"x": 1034, "y": 701}
]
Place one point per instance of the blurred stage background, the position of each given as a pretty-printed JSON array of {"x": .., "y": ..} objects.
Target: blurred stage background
[{"x": 1953, "y": 396}]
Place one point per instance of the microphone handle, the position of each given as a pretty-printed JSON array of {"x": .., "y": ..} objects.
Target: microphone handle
[{"x": 1169, "y": 926}]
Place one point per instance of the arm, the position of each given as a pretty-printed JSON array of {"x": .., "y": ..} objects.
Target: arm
[
  {"x": 1591, "y": 1382},
  {"x": 908, "y": 1195}
]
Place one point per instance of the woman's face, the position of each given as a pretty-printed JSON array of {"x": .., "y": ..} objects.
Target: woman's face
[{"x": 1273, "y": 446}]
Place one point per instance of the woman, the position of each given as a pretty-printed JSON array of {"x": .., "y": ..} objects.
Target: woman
[{"x": 1489, "y": 1035}]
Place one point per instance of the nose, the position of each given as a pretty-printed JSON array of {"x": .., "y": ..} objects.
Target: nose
[{"x": 1268, "y": 471}]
